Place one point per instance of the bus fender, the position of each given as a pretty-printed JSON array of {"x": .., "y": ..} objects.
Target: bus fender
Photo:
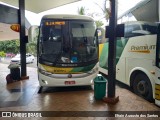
[{"x": 134, "y": 71}]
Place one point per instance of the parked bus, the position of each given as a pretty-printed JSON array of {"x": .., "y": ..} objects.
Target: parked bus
[
  {"x": 137, "y": 59},
  {"x": 67, "y": 50}
]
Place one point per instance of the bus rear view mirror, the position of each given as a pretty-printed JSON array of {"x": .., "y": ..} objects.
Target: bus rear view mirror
[
  {"x": 33, "y": 33},
  {"x": 100, "y": 34},
  {"x": 119, "y": 31}
]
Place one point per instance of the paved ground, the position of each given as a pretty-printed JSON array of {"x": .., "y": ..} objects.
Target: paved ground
[{"x": 65, "y": 102}]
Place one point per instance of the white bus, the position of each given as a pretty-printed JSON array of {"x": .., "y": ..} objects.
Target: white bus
[
  {"x": 67, "y": 50},
  {"x": 137, "y": 59}
]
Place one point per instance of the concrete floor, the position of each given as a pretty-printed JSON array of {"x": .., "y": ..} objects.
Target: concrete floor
[{"x": 22, "y": 96}]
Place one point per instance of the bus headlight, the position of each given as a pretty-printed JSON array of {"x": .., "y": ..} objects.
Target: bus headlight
[{"x": 93, "y": 70}]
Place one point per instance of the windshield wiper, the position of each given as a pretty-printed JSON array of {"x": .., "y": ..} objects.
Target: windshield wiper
[
  {"x": 84, "y": 34},
  {"x": 57, "y": 57},
  {"x": 84, "y": 38}
]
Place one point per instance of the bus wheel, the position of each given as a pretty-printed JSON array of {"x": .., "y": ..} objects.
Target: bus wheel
[
  {"x": 40, "y": 90},
  {"x": 142, "y": 87}
]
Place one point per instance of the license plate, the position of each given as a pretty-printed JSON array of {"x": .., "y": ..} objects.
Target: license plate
[{"x": 69, "y": 82}]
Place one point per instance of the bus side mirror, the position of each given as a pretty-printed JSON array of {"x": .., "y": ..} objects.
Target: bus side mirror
[
  {"x": 119, "y": 31},
  {"x": 100, "y": 33},
  {"x": 33, "y": 33}
]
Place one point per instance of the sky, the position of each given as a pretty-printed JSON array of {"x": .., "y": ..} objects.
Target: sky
[{"x": 91, "y": 6}]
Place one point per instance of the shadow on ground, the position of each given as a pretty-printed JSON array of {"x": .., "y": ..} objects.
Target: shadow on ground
[{"x": 65, "y": 89}]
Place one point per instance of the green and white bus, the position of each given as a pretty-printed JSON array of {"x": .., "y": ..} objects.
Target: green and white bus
[
  {"x": 67, "y": 49},
  {"x": 137, "y": 59}
]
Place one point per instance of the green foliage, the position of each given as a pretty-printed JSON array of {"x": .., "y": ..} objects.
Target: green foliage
[
  {"x": 32, "y": 48},
  {"x": 10, "y": 46},
  {"x": 81, "y": 11},
  {"x": 2, "y": 54},
  {"x": 99, "y": 24},
  {"x": 13, "y": 46}
]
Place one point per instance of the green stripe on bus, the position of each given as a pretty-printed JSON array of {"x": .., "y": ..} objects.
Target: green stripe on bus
[
  {"x": 103, "y": 60},
  {"x": 83, "y": 69}
]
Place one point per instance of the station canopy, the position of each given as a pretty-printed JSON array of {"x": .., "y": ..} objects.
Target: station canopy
[
  {"x": 38, "y": 6},
  {"x": 146, "y": 10}
]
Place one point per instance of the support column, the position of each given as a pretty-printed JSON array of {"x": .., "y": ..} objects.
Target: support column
[
  {"x": 22, "y": 39},
  {"x": 112, "y": 54}
]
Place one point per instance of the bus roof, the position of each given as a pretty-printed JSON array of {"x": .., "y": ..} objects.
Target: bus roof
[{"x": 68, "y": 16}]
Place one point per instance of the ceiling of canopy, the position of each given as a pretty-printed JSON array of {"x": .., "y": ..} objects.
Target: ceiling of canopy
[{"x": 38, "y": 6}]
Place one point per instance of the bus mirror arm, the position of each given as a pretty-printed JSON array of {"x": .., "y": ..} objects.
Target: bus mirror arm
[
  {"x": 96, "y": 35},
  {"x": 119, "y": 31}
]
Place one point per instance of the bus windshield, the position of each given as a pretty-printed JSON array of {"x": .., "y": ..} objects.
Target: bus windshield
[{"x": 68, "y": 41}]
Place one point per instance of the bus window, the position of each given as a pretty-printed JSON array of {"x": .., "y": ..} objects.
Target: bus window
[
  {"x": 129, "y": 30},
  {"x": 134, "y": 30},
  {"x": 55, "y": 33},
  {"x": 83, "y": 40},
  {"x": 80, "y": 43},
  {"x": 52, "y": 41},
  {"x": 152, "y": 29}
]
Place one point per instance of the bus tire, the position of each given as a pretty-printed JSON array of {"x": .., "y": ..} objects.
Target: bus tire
[
  {"x": 142, "y": 87},
  {"x": 40, "y": 90}
]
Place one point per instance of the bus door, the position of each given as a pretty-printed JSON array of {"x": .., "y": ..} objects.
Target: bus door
[{"x": 157, "y": 73}]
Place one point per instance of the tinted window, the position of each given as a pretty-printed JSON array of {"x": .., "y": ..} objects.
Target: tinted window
[
  {"x": 68, "y": 41},
  {"x": 130, "y": 28},
  {"x": 134, "y": 30}
]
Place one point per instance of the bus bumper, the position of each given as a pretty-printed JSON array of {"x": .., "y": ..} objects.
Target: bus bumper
[{"x": 63, "y": 80}]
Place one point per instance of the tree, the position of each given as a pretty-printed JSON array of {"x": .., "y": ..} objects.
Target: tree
[
  {"x": 106, "y": 11},
  {"x": 99, "y": 23},
  {"x": 81, "y": 11},
  {"x": 32, "y": 48},
  {"x": 2, "y": 54},
  {"x": 10, "y": 46}
]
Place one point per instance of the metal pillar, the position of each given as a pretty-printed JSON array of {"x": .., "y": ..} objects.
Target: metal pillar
[
  {"x": 112, "y": 54},
  {"x": 22, "y": 39}
]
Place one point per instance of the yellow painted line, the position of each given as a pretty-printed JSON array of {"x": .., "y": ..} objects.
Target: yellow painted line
[
  {"x": 100, "y": 49},
  {"x": 56, "y": 69},
  {"x": 140, "y": 51},
  {"x": 157, "y": 91},
  {"x": 157, "y": 86},
  {"x": 157, "y": 97}
]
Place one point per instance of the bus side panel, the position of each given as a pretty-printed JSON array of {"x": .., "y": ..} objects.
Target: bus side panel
[
  {"x": 121, "y": 70},
  {"x": 157, "y": 86},
  {"x": 139, "y": 52},
  {"x": 143, "y": 65},
  {"x": 121, "y": 60},
  {"x": 103, "y": 55}
]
